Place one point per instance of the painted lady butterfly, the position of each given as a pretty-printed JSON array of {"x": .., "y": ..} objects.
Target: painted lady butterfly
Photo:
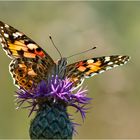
[{"x": 30, "y": 63}]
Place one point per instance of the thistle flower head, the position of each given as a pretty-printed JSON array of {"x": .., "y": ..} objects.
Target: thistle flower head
[{"x": 56, "y": 91}]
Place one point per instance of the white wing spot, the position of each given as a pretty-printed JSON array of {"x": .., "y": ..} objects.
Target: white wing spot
[
  {"x": 90, "y": 61},
  {"x": 115, "y": 65},
  {"x": 101, "y": 71},
  {"x": 110, "y": 63},
  {"x": 7, "y": 26},
  {"x": 93, "y": 74},
  {"x": 120, "y": 56},
  {"x": 6, "y": 35},
  {"x": 15, "y": 35},
  {"x": 1, "y": 27},
  {"x": 125, "y": 62},
  {"x": 32, "y": 46},
  {"x": 108, "y": 68},
  {"x": 107, "y": 58},
  {"x": 121, "y": 59},
  {"x": 19, "y": 34}
]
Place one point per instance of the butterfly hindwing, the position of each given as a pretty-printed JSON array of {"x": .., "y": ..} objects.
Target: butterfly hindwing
[
  {"x": 28, "y": 72},
  {"x": 78, "y": 71}
]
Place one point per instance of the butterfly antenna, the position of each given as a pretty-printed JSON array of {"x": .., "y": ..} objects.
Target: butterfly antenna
[
  {"x": 82, "y": 52},
  {"x": 55, "y": 46}
]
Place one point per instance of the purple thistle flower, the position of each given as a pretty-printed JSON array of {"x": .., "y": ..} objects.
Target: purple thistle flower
[{"x": 56, "y": 91}]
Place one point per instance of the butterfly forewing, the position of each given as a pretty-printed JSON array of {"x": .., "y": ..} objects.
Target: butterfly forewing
[
  {"x": 90, "y": 67},
  {"x": 17, "y": 44}
]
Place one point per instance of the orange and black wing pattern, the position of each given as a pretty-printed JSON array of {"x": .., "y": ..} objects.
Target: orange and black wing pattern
[
  {"x": 30, "y": 63},
  {"x": 27, "y": 72},
  {"x": 16, "y": 44},
  {"x": 78, "y": 71}
]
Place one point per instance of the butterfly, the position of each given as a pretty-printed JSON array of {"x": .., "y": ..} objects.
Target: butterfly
[{"x": 30, "y": 63}]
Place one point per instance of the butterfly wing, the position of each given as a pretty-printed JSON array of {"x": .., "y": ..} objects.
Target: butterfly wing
[
  {"x": 17, "y": 44},
  {"x": 28, "y": 72},
  {"x": 30, "y": 62},
  {"x": 78, "y": 71}
]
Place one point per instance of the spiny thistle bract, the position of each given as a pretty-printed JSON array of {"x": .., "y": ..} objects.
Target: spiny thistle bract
[
  {"x": 51, "y": 122},
  {"x": 50, "y": 101}
]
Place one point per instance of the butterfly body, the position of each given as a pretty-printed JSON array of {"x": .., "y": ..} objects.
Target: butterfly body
[{"x": 30, "y": 63}]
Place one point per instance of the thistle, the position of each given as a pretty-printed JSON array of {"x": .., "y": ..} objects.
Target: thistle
[{"x": 50, "y": 100}]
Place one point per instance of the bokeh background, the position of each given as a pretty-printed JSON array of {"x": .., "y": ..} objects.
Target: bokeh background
[{"x": 114, "y": 28}]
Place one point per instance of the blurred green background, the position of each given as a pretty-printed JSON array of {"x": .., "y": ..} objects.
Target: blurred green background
[{"x": 114, "y": 27}]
